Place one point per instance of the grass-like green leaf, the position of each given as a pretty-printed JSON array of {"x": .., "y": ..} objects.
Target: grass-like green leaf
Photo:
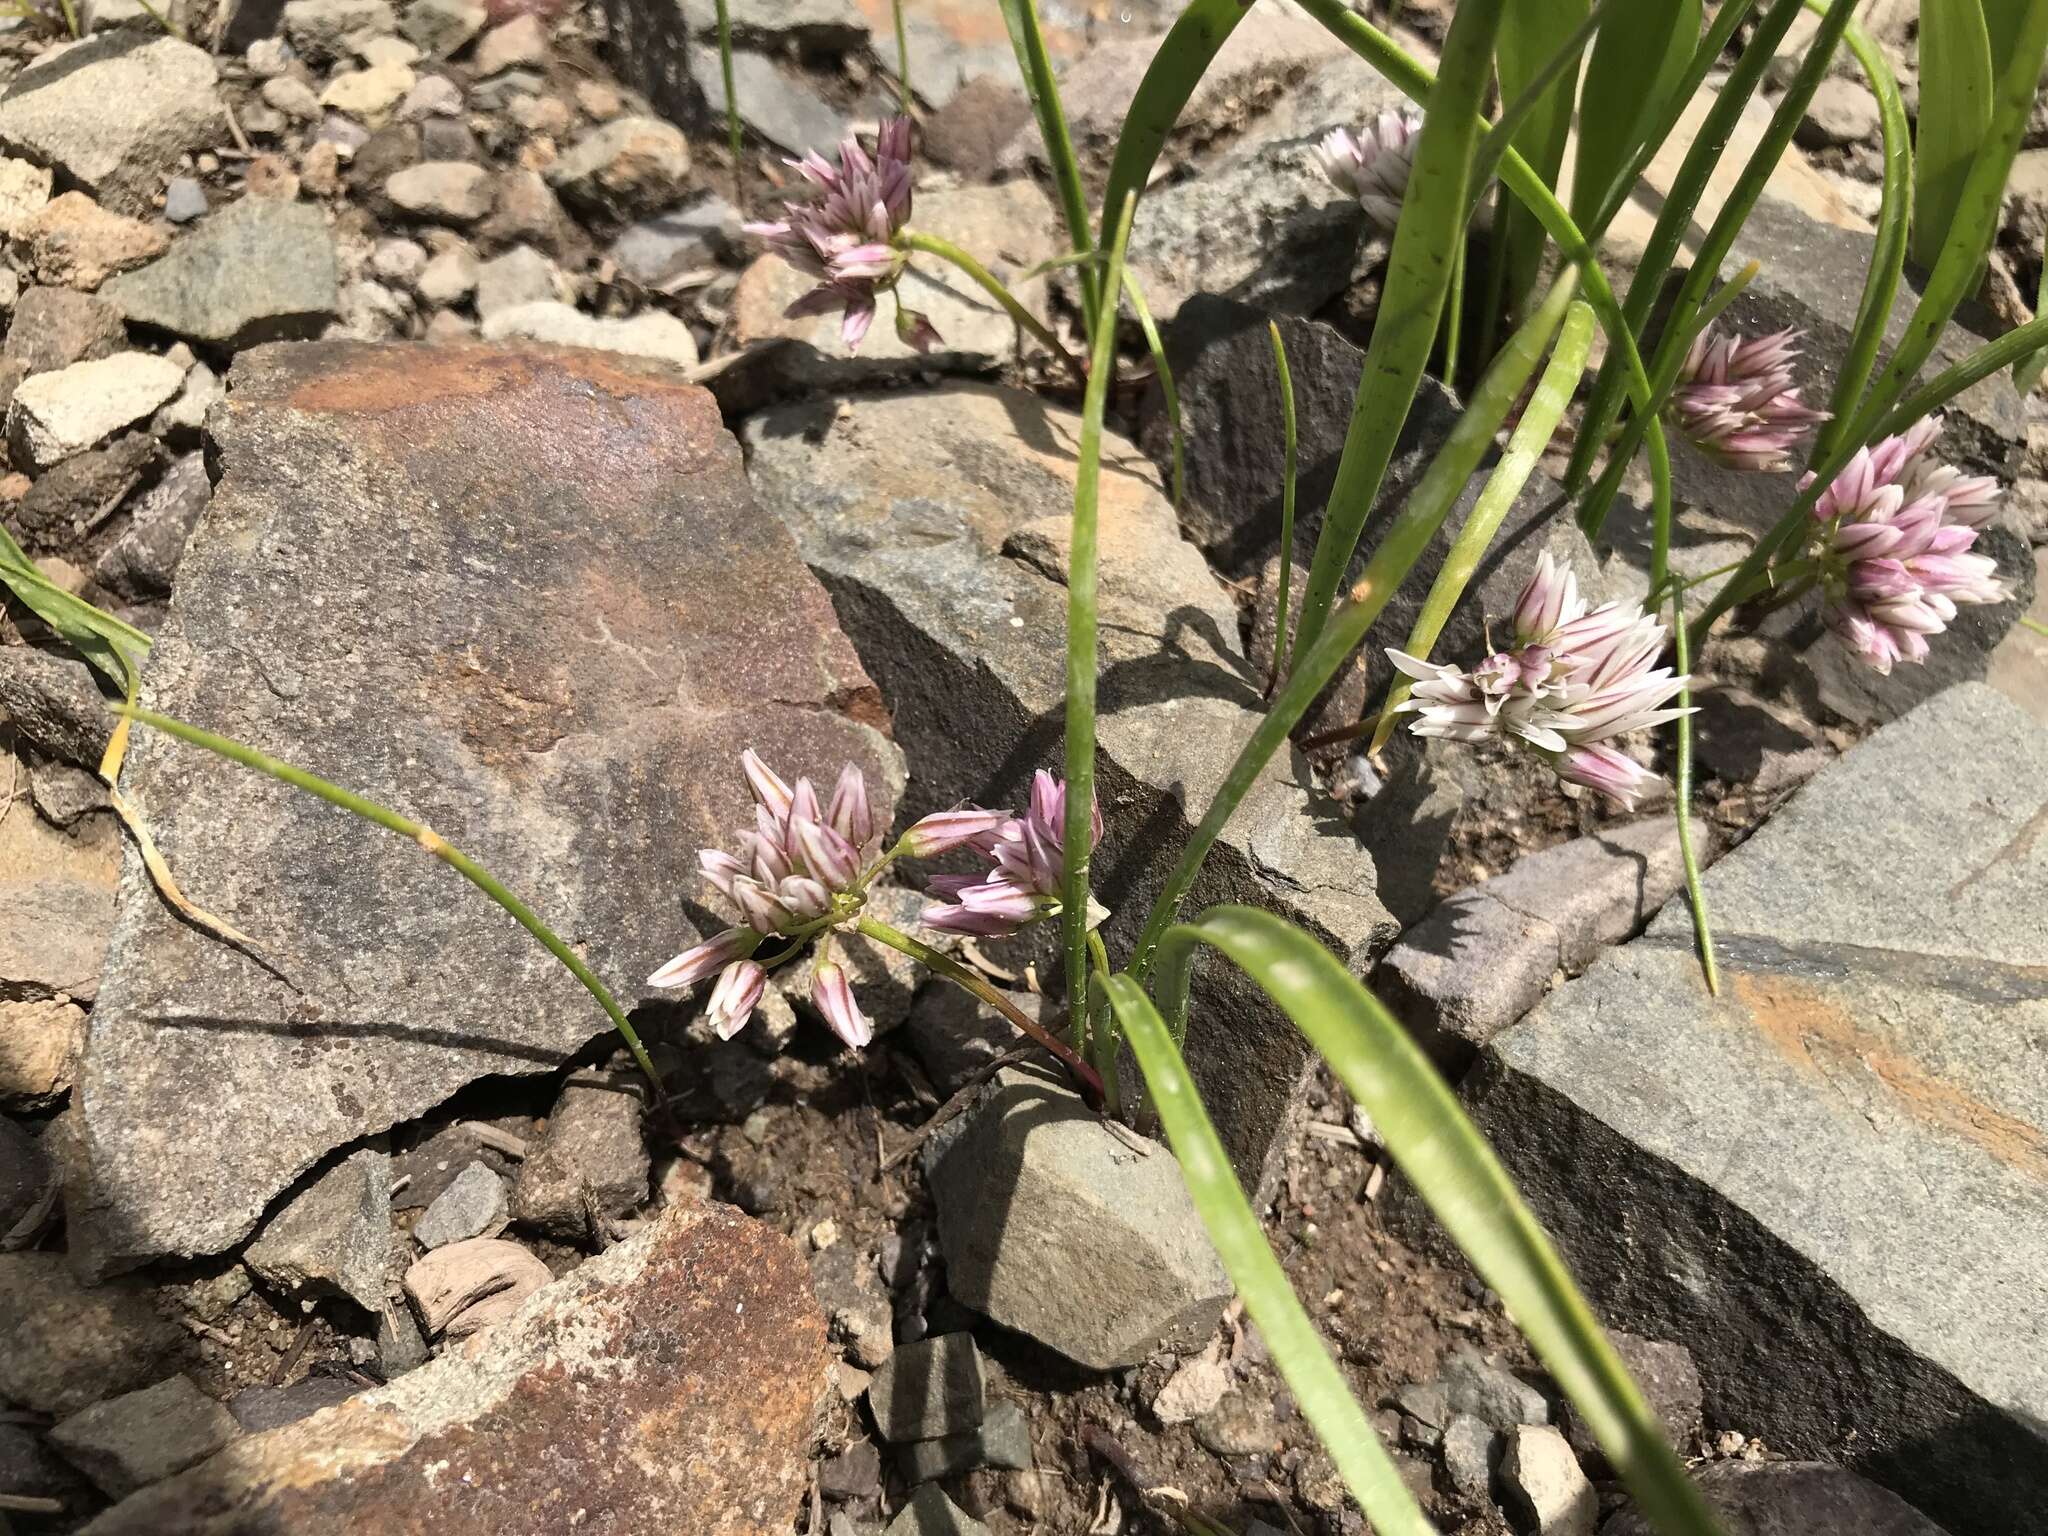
[
  {"x": 1418, "y": 277},
  {"x": 732, "y": 101},
  {"x": 1291, "y": 451},
  {"x": 1316, "y": 662},
  {"x": 1454, "y": 1170},
  {"x": 113, "y": 646},
  {"x": 1888, "y": 254},
  {"x": 1955, "y": 114},
  {"x": 1156, "y": 345},
  {"x": 1525, "y": 446},
  {"x": 1034, "y": 64},
  {"x": 1320, "y": 1390},
  {"x": 1538, "y": 55},
  {"x": 1639, "y": 62},
  {"x": 1177, "y": 67},
  {"x": 1081, "y": 643}
]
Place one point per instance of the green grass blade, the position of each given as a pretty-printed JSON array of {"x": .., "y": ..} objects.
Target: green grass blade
[
  {"x": 2014, "y": 347},
  {"x": 1027, "y": 39},
  {"x": 1888, "y": 255},
  {"x": 383, "y": 816},
  {"x": 1081, "y": 645},
  {"x": 1170, "y": 79},
  {"x": 1667, "y": 235},
  {"x": 1639, "y": 62},
  {"x": 732, "y": 102},
  {"x": 1955, "y": 114},
  {"x": 1531, "y": 436},
  {"x": 1978, "y": 212},
  {"x": 112, "y": 646},
  {"x": 1456, "y": 1173},
  {"x": 2026, "y": 373},
  {"x": 1538, "y": 59},
  {"x": 1291, "y": 446},
  {"x": 1157, "y": 347},
  {"x": 905, "y": 97},
  {"x": 1411, "y": 303},
  {"x": 1681, "y": 784},
  {"x": 1320, "y": 1390},
  {"x": 1317, "y": 661}
]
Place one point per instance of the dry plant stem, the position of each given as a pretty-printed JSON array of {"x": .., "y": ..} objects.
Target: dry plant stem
[
  {"x": 1681, "y": 781},
  {"x": 391, "y": 821},
  {"x": 946, "y": 250},
  {"x": 945, "y": 965}
]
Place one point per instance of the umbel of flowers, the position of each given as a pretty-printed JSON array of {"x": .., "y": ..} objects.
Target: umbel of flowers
[
  {"x": 1571, "y": 682},
  {"x": 1373, "y": 164},
  {"x": 1735, "y": 399},
  {"x": 801, "y": 874}
]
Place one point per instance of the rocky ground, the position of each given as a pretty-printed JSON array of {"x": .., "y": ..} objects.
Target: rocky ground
[{"x": 365, "y": 1226}]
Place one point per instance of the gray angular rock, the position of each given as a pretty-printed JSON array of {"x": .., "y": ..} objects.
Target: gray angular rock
[
  {"x": 185, "y": 198},
  {"x": 1003, "y": 1439},
  {"x": 53, "y": 701},
  {"x": 141, "y": 1438},
  {"x": 929, "y": 1389},
  {"x": 320, "y": 30},
  {"x": 1541, "y": 1482},
  {"x": 56, "y": 903},
  {"x": 937, "y": 521},
  {"x": 931, "y": 1513},
  {"x": 590, "y": 1165},
  {"x": 627, "y": 166},
  {"x": 65, "y": 1346},
  {"x": 778, "y": 100},
  {"x": 333, "y": 1238},
  {"x": 1485, "y": 956},
  {"x": 519, "y": 276},
  {"x": 1470, "y": 1449},
  {"x": 257, "y": 1409},
  {"x": 1009, "y": 227},
  {"x": 956, "y": 1036},
  {"x": 56, "y": 327},
  {"x": 114, "y": 114},
  {"x": 701, "y": 1423},
  {"x": 1481, "y": 1386},
  {"x": 58, "y": 414},
  {"x": 652, "y": 333},
  {"x": 855, "y": 1301},
  {"x": 1794, "y": 1498},
  {"x": 474, "y": 1205},
  {"x": 141, "y": 562},
  {"x": 188, "y": 1133},
  {"x": 444, "y": 191},
  {"x": 1874, "y": 970},
  {"x": 1085, "y": 1240},
  {"x": 439, "y": 28},
  {"x": 669, "y": 244},
  {"x": 259, "y": 270}
]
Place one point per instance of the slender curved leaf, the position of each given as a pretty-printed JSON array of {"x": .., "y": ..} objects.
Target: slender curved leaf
[
  {"x": 1418, "y": 277},
  {"x": 1639, "y": 62},
  {"x": 1320, "y": 1390},
  {"x": 1534, "y": 34},
  {"x": 1034, "y": 64},
  {"x": 1456, "y": 1173},
  {"x": 1531, "y": 436},
  {"x": 1955, "y": 114}
]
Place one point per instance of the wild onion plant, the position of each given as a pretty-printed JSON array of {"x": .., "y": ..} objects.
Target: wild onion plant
[{"x": 1880, "y": 527}]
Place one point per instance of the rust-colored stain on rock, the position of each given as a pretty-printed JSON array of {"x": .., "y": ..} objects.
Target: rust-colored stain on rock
[
  {"x": 391, "y": 379},
  {"x": 1813, "y": 1032}
]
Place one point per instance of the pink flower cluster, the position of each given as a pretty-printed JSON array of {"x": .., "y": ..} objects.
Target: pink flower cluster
[
  {"x": 1028, "y": 864},
  {"x": 797, "y": 872},
  {"x": 1373, "y": 164},
  {"x": 1571, "y": 681},
  {"x": 844, "y": 234},
  {"x": 1735, "y": 400},
  {"x": 1896, "y": 531}
]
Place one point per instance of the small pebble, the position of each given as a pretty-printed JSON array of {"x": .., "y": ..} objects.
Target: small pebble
[{"x": 184, "y": 200}]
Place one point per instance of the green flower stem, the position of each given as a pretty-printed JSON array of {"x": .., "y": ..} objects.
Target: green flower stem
[
  {"x": 902, "y": 56},
  {"x": 390, "y": 820},
  {"x": 2010, "y": 348},
  {"x": 946, "y": 250},
  {"x": 1156, "y": 345},
  {"x": 1041, "y": 86},
  {"x": 1695, "y": 897},
  {"x": 732, "y": 102},
  {"x": 1078, "y": 834},
  {"x": 1282, "y": 641},
  {"x": 1108, "y": 1039},
  {"x": 945, "y": 965}
]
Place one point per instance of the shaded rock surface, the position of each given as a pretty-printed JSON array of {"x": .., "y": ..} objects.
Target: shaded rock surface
[
  {"x": 1056, "y": 1227},
  {"x": 334, "y": 1236},
  {"x": 589, "y": 1166},
  {"x": 549, "y": 660},
  {"x": 938, "y": 522},
  {"x": 929, "y": 1389},
  {"x": 65, "y": 1346},
  {"x": 1707, "y": 1164},
  {"x": 259, "y": 270},
  {"x": 668, "y": 1384},
  {"x": 143, "y": 1437},
  {"x": 1794, "y": 1498}
]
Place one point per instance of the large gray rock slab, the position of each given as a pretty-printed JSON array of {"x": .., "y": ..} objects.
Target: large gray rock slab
[
  {"x": 1812, "y": 277},
  {"x": 1058, "y": 1227},
  {"x": 114, "y": 114},
  {"x": 492, "y": 588},
  {"x": 259, "y": 270},
  {"x": 938, "y": 522},
  {"x": 1793, "y": 1498},
  {"x": 1832, "y": 1181},
  {"x": 669, "y": 1384}
]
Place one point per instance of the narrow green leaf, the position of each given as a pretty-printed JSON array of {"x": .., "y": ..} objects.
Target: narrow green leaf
[
  {"x": 1034, "y": 64},
  {"x": 1170, "y": 79},
  {"x": 1399, "y": 548},
  {"x": 1291, "y": 445},
  {"x": 1411, "y": 302},
  {"x": 1955, "y": 114},
  {"x": 1319, "y": 1387},
  {"x": 114, "y": 647},
  {"x": 1456, "y": 1173},
  {"x": 1156, "y": 345},
  {"x": 1639, "y": 62},
  {"x": 2026, "y": 373},
  {"x": 1535, "y": 36},
  {"x": 1531, "y": 436},
  {"x": 1888, "y": 255}
]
